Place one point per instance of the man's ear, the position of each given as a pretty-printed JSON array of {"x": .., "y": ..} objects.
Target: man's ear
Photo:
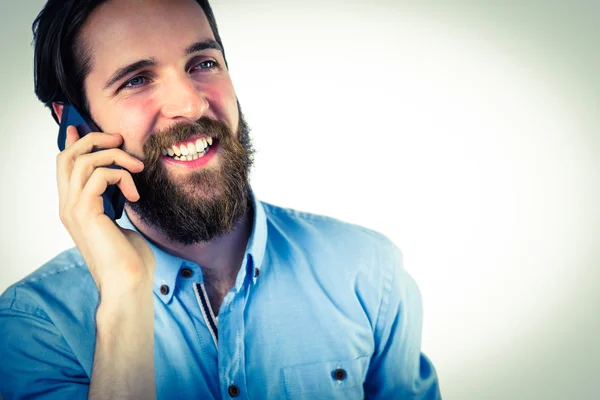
[{"x": 58, "y": 109}]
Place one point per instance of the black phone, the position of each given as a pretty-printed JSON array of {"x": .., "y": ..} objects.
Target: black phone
[{"x": 113, "y": 198}]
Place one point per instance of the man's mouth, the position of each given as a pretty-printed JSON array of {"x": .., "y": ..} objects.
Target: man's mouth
[{"x": 190, "y": 150}]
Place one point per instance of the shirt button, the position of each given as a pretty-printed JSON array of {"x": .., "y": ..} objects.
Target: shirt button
[
  {"x": 186, "y": 273},
  {"x": 164, "y": 290},
  {"x": 234, "y": 391},
  {"x": 339, "y": 374}
]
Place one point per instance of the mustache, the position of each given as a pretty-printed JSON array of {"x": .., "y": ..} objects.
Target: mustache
[{"x": 182, "y": 131}]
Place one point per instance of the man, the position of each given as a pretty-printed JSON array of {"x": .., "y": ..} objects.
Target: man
[{"x": 201, "y": 290}]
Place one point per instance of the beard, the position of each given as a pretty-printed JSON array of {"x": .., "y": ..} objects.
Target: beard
[{"x": 204, "y": 204}]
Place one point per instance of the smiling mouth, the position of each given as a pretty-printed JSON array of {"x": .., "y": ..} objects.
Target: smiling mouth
[{"x": 189, "y": 151}]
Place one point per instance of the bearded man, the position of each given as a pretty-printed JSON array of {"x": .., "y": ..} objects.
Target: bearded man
[{"x": 200, "y": 289}]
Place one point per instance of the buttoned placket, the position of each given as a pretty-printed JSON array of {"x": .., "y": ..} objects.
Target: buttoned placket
[
  {"x": 232, "y": 372},
  {"x": 190, "y": 278}
]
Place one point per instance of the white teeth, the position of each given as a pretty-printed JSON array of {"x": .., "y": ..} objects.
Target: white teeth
[
  {"x": 189, "y": 157},
  {"x": 187, "y": 152},
  {"x": 191, "y": 148}
]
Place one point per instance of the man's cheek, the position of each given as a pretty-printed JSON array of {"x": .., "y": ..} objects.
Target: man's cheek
[
  {"x": 223, "y": 102},
  {"x": 136, "y": 122}
]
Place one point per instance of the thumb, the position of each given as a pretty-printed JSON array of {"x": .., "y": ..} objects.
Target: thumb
[{"x": 72, "y": 136}]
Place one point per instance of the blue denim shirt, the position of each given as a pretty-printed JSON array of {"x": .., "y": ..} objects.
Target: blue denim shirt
[{"x": 320, "y": 309}]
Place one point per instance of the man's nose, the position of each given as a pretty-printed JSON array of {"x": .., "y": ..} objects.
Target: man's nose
[{"x": 182, "y": 98}]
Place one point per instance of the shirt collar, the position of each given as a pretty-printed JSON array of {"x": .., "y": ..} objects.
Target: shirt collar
[{"x": 168, "y": 265}]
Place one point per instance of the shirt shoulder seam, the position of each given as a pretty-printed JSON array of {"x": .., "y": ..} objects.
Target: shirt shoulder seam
[
  {"x": 40, "y": 276},
  {"x": 388, "y": 280},
  {"x": 15, "y": 304},
  {"x": 322, "y": 218}
]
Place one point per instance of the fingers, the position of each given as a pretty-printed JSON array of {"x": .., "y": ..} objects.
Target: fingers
[
  {"x": 87, "y": 163},
  {"x": 75, "y": 147},
  {"x": 89, "y": 203},
  {"x": 102, "y": 177},
  {"x": 76, "y": 164}
]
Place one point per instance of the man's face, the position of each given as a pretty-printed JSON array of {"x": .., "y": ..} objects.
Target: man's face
[{"x": 180, "y": 79}]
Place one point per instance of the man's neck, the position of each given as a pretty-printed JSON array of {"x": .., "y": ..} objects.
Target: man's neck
[{"x": 220, "y": 259}]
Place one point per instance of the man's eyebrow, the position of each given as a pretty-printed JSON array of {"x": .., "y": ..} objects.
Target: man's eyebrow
[
  {"x": 128, "y": 69},
  {"x": 203, "y": 45}
]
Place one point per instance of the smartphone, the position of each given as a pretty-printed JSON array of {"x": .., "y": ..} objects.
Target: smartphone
[{"x": 113, "y": 198}]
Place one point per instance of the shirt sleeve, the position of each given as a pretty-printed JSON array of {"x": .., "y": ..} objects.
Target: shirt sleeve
[
  {"x": 398, "y": 369},
  {"x": 36, "y": 362}
]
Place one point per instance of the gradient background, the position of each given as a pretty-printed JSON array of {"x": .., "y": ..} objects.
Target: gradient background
[{"x": 467, "y": 132}]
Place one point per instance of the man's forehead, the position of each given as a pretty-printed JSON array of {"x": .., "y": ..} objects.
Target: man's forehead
[{"x": 137, "y": 28}]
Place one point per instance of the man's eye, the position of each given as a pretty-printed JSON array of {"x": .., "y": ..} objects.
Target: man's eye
[
  {"x": 207, "y": 64},
  {"x": 134, "y": 82}
]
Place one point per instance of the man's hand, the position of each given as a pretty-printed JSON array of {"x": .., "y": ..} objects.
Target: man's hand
[{"x": 120, "y": 261}]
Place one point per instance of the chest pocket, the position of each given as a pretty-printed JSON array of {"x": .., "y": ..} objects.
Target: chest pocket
[{"x": 326, "y": 380}]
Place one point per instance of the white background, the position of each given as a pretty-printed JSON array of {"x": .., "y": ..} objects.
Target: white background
[{"x": 469, "y": 134}]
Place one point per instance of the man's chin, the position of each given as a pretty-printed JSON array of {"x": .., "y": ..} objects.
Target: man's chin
[
  {"x": 197, "y": 187},
  {"x": 195, "y": 196}
]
